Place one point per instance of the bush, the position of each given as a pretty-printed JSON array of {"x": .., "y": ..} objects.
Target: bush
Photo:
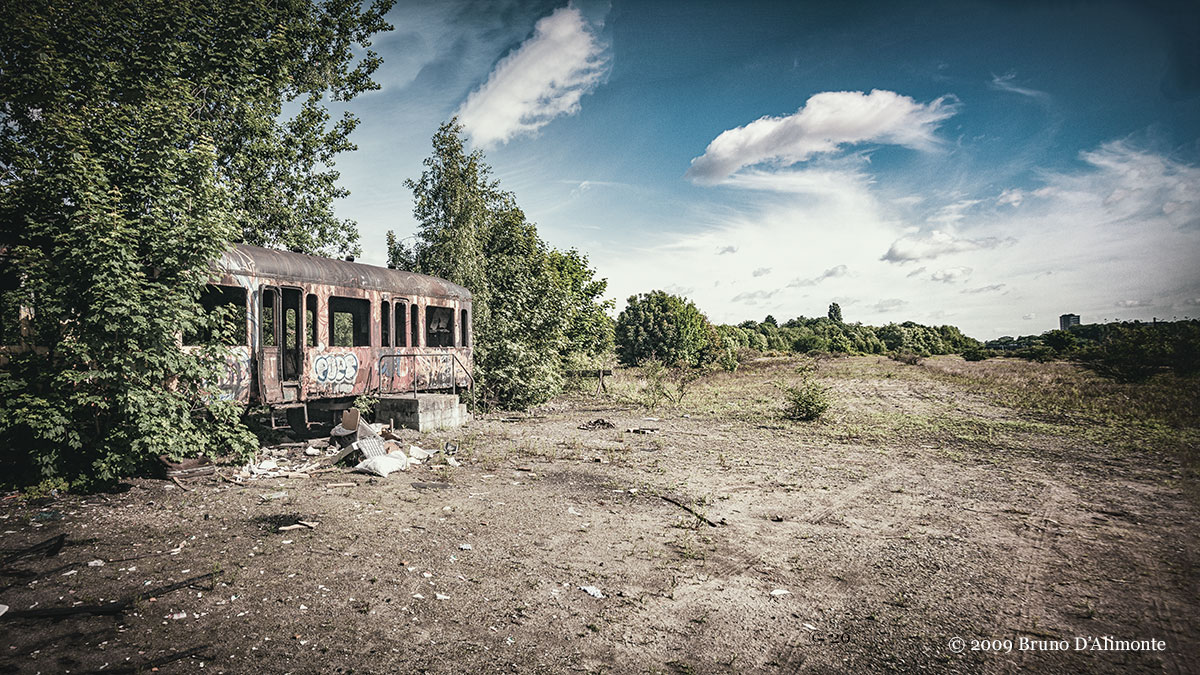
[
  {"x": 977, "y": 354},
  {"x": 805, "y": 402},
  {"x": 905, "y": 357},
  {"x": 658, "y": 326}
]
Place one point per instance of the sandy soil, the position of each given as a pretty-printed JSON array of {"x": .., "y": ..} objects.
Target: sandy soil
[{"x": 831, "y": 550}]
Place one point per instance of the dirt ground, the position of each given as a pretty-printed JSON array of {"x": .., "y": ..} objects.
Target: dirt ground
[{"x": 919, "y": 510}]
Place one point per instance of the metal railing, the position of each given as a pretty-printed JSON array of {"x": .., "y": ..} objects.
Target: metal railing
[{"x": 455, "y": 365}]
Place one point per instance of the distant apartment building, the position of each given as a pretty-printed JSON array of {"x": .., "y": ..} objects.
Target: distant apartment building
[{"x": 1067, "y": 320}]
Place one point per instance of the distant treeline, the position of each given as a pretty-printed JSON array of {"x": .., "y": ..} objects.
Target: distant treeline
[
  {"x": 1129, "y": 350},
  {"x": 825, "y": 334}
]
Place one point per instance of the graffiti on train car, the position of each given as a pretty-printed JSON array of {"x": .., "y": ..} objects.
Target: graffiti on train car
[
  {"x": 335, "y": 368},
  {"x": 235, "y": 381}
]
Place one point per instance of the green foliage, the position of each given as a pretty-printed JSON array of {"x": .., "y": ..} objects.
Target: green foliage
[
  {"x": 835, "y": 312},
  {"x": 661, "y": 327},
  {"x": 1131, "y": 352},
  {"x": 365, "y": 404},
  {"x": 138, "y": 139},
  {"x": 1061, "y": 341},
  {"x": 532, "y": 305},
  {"x": 977, "y": 354},
  {"x": 805, "y": 402}
]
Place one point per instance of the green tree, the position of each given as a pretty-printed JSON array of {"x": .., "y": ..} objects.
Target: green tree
[
  {"x": 532, "y": 305},
  {"x": 658, "y": 326},
  {"x": 835, "y": 312},
  {"x": 137, "y": 140}
]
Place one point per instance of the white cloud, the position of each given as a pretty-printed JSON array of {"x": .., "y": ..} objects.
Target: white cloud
[
  {"x": 951, "y": 275},
  {"x": 1078, "y": 242},
  {"x": 889, "y": 305},
  {"x": 544, "y": 78},
  {"x": 826, "y": 122},
  {"x": 831, "y": 273},
  {"x": 761, "y": 272},
  {"x": 936, "y": 243},
  {"x": 1129, "y": 304}
]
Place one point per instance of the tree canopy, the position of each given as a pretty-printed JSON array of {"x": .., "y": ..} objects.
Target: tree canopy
[
  {"x": 137, "y": 139},
  {"x": 533, "y": 305}
]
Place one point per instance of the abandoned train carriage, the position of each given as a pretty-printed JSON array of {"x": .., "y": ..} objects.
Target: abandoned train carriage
[{"x": 319, "y": 332}]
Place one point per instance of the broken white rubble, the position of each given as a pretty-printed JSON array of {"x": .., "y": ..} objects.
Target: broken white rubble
[
  {"x": 383, "y": 464},
  {"x": 592, "y": 591}
]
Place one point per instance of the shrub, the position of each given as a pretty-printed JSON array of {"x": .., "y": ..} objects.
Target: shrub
[
  {"x": 977, "y": 354},
  {"x": 658, "y": 326},
  {"x": 905, "y": 357},
  {"x": 805, "y": 402}
]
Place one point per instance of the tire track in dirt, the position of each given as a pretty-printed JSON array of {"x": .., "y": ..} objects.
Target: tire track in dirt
[
  {"x": 1027, "y": 604},
  {"x": 832, "y": 588}
]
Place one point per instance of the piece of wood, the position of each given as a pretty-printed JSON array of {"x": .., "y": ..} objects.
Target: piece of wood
[
  {"x": 350, "y": 419},
  {"x": 336, "y": 485},
  {"x": 690, "y": 510},
  {"x": 289, "y": 528},
  {"x": 185, "y": 488}
]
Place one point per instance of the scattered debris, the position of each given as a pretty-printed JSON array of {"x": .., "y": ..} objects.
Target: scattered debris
[
  {"x": 310, "y": 524},
  {"x": 3, "y": 609},
  {"x": 809, "y": 626},
  {"x": 599, "y": 423},
  {"x": 450, "y": 448},
  {"x": 592, "y": 591},
  {"x": 289, "y": 528},
  {"x": 453, "y": 462},
  {"x": 430, "y": 486},
  {"x": 779, "y": 592},
  {"x": 310, "y": 451},
  {"x": 642, "y": 430},
  {"x": 442, "y": 597},
  {"x": 270, "y": 496},
  {"x": 338, "y": 485},
  {"x": 383, "y": 465},
  {"x": 96, "y": 563},
  {"x": 465, "y": 547},
  {"x": 418, "y": 454},
  {"x": 194, "y": 466},
  {"x": 111, "y": 608}
]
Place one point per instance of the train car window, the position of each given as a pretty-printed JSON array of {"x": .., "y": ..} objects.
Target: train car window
[
  {"x": 349, "y": 322},
  {"x": 401, "y": 326},
  {"x": 267, "y": 322},
  {"x": 415, "y": 327},
  {"x": 310, "y": 319},
  {"x": 385, "y": 325},
  {"x": 465, "y": 327},
  {"x": 439, "y": 326}
]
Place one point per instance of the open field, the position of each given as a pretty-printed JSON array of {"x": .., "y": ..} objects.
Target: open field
[{"x": 994, "y": 500}]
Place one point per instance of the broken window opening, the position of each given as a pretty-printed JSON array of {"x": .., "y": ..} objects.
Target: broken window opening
[
  {"x": 349, "y": 322},
  {"x": 415, "y": 327},
  {"x": 465, "y": 327},
  {"x": 401, "y": 324},
  {"x": 439, "y": 326},
  {"x": 310, "y": 319},
  {"x": 267, "y": 329},
  {"x": 385, "y": 324}
]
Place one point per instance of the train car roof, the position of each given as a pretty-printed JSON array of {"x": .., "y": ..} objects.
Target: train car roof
[{"x": 288, "y": 266}]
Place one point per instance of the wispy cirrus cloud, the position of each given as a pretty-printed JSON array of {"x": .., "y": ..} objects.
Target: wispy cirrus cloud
[
  {"x": 1008, "y": 82},
  {"x": 544, "y": 78},
  {"x": 825, "y": 123}
]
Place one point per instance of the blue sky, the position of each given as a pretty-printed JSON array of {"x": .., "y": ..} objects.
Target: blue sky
[{"x": 988, "y": 165}]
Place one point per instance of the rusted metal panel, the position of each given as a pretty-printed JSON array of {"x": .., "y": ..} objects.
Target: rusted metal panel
[
  {"x": 284, "y": 265},
  {"x": 329, "y": 372}
]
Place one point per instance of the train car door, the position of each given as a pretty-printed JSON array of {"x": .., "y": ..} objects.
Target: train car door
[
  {"x": 270, "y": 337},
  {"x": 291, "y": 358}
]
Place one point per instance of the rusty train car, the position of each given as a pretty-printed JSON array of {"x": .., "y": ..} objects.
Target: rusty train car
[{"x": 318, "y": 332}]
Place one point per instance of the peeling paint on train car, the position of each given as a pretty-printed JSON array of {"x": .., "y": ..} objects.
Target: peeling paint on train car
[{"x": 290, "y": 359}]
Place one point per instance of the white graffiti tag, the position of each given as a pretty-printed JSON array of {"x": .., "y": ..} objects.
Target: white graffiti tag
[{"x": 336, "y": 369}]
